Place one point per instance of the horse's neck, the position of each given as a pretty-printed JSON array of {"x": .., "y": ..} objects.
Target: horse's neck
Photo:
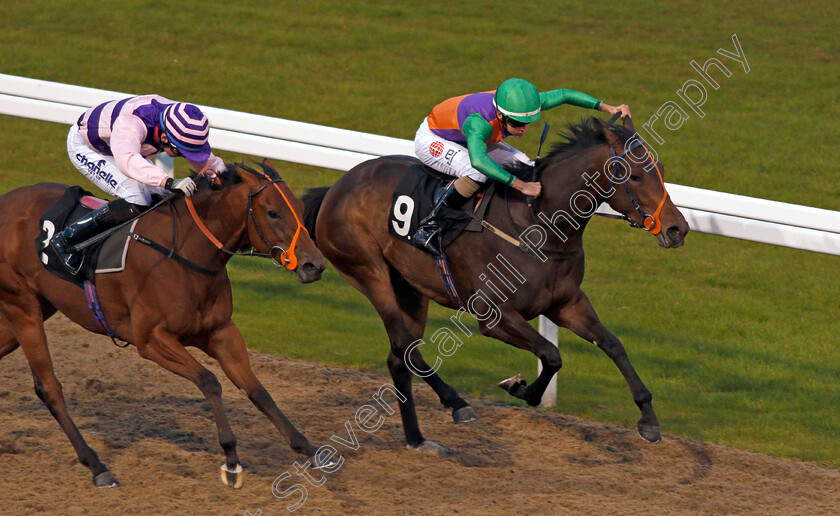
[
  {"x": 224, "y": 214},
  {"x": 569, "y": 199}
]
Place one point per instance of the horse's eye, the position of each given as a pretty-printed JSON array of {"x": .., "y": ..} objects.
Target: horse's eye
[
  {"x": 273, "y": 214},
  {"x": 635, "y": 178}
]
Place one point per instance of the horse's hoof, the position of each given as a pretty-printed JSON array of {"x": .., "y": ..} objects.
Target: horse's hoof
[
  {"x": 464, "y": 415},
  {"x": 328, "y": 464},
  {"x": 533, "y": 401},
  {"x": 649, "y": 433},
  {"x": 428, "y": 447},
  {"x": 233, "y": 478},
  {"x": 515, "y": 385},
  {"x": 105, "y": 479}
]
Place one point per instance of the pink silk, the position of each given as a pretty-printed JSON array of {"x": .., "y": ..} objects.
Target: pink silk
[{"x": 132, "y": 155}]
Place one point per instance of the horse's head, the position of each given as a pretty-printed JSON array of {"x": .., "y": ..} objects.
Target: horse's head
[
  {"x": 638, "y": 181},
  {"x": 275, "y": 223}
]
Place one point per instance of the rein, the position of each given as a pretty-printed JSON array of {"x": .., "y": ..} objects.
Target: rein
[
  {"x": 650, "y": 223},
  {"x": 288, "y": 256},
  {"x": 170, "y": 253}
]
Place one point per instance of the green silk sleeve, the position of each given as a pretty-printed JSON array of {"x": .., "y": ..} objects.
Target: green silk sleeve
[
  {"x": 478, "y": 131},
  {"x": 554, "y": 98}
]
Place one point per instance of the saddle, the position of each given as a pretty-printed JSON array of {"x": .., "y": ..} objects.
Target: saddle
[
  {"x": 106, "y": 256},
  {"x": 414, "y": 198}
]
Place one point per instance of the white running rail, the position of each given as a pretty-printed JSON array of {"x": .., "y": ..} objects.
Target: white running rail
[{"x": 707, "y": 211}]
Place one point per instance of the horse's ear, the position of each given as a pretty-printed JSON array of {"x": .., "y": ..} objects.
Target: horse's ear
[
  {"x": 247, "y": 175},
  {"x": 610, "y": 136},
  {"x": 268, "y": 168},
  {"x": 628, "y": 123},
  {"x": 268, "y": 164}
]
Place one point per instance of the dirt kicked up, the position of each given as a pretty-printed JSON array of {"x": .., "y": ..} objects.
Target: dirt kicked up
[{"x": 154, "y": 431}]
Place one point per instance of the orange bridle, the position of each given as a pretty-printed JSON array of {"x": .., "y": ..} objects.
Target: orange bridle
[
  {"x": 651, "y": 223},
  {"x": 288, "y": 256}
]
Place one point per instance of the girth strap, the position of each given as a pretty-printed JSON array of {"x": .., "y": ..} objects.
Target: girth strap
[
  {"x": 448, "y": 283},
  {"x": 98, "y": 314}
]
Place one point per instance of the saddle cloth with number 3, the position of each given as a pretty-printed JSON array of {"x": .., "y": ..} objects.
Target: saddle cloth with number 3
[{"x": 101, "y": 257}]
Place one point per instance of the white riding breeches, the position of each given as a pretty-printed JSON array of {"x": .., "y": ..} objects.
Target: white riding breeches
[
  {"x": 453, "y": 158},
  {"x": 103, "y": 172}
]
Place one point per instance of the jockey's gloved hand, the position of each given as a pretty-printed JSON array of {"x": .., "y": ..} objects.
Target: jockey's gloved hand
[
  {"x": 185, "y": 185},
  {"x": 212, "y": 177}
]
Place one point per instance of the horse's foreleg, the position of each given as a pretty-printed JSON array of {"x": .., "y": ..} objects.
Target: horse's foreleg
[
  {"x": 376, "y": 285},
  {"x": 415, "y": 309},
  {"x": 513, "y": 329},
  {"x": 580, "y": 317},
  {"x": 165, "y": 350},
  {"x": 402, "y": 381},
  {"x": 228, "y": 347}
]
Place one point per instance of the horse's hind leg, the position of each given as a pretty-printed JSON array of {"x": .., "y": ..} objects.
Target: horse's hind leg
[
  {"x": 513, "y": 329},
  {"x": 164, "y": 349},
  {"x": 374, "y": 281},
  {"x": 25, "y": 319},
  {"x": 580, "y": 317},
  {"x": 8, "y": 342}
]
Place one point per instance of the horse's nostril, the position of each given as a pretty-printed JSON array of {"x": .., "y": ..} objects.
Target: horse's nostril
[
  {"x": 309, "y": 272},
  {"x": 675, "y": 234}
]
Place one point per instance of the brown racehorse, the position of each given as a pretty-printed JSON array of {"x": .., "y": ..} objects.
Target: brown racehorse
[
  {"x": 350, "y": 224},
  {"x": 156, "y": 304}
]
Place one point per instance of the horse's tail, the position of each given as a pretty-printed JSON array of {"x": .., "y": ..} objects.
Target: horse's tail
[{"x": 312, "y": 200}]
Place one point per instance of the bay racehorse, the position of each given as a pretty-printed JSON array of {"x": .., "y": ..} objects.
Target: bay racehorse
[
  {"x": 597, "y": 162},
  {"x": 157, "y": 304}
]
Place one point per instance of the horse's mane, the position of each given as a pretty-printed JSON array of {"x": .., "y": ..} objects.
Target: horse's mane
[
  {"x": 231, "y": 177},
  {"x": 577, "y": 137},
  {"x": 588, "y": 133}
]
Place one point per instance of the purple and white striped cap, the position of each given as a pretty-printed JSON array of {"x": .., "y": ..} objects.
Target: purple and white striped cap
[{"x": 187, "y": 129}]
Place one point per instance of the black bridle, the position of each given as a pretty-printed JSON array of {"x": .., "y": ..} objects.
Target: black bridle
[{"x": 617, "y": 169}]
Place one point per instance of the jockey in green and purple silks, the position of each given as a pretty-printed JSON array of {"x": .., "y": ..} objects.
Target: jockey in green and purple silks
[{"x": 462, "y": 137}]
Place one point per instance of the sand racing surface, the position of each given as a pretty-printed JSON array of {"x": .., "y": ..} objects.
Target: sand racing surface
[{"x": 155, "y": 432}]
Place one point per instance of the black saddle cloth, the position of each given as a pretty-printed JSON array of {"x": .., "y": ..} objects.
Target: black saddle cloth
[
  {"x": 414, "y": 199},
  {"x": 64, "y": 212}
]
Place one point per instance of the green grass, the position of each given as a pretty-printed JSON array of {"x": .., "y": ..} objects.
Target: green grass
[{"x": 736, "y": 340}]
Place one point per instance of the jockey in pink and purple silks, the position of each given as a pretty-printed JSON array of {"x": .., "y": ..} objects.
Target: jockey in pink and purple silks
[
  {"x": 111, "y": 145},
  {"x": 463, "y": 137}
]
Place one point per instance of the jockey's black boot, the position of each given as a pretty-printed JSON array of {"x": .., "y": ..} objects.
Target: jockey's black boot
[
  {"x": 429, "y": 228},
  {"x": 90, "y": 225}
]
